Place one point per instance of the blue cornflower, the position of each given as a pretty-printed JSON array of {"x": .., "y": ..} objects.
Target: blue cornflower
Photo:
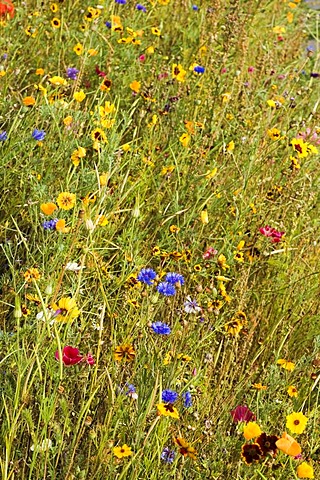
[
  {"x": 166, "y": 289},
  {"x": 161, "y": 328},
  {"x": 169, "y": 396},
  {"x": 146, "y": 275},
  {"x": 199, "y": 69},
  {"x": 72, "y": 73},
  {"x": 38, "y": 134},
  {"x": 3, "y": 136},
  {"x": 121, "y": 2},
  {"x": 50, "y": 224},
  {"x": 108, "y": 24},
  {"x": 141, "y": 7},
  {"x": 131, "y": 392},
  {"x": 174, "y": 278},
  {"x": 168, "y": 455},
  {"x": 187, "y": 399},
  {"x": 195, "y": 7}
]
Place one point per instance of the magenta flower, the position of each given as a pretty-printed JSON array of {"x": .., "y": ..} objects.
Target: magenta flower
[
  {"x": 242, "y": 414},
  {"x": 209, "y": 253},
  {"x": 272, "y": 233},
  {"x": 70, "y": 356},
  {"x": 89, "y": 359}
]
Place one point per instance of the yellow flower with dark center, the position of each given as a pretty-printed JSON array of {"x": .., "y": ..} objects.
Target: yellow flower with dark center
[
  {"x": 292, "y": 391},
  {"x": 305, "y": 471},
  {"x": 106, "y": 85},
  {"x": 178, "y": 72},
  {"x": 124, "y": 352},
  {"x": 197, "y": 268},
  {"x": 66, "y": 200},
  {"x": 300, "y": 147},
  {"x": 98, "y": 135},
  {"x": 121, "y": 452},
  {"x": 167, "y": 410},
  {"x": 222, "y": 262},
  {"x": 156, "y": 31},
  {"x": 185, "y": 449},
  {"x": 274, "y": 134},
  {"x": 78, "y": 49},
  {"x": 55, "y": 23},
  {"x": 238, "y": 256},
  {"x": 174, "y": 229},
  {"x": 54, "y": 7},
  {"x": 251, "y": 430},
  {"x": 31, "y": 274},
  {"x": 185, "y": 139},
  {"x": 156, "y": 251},
  {"x": 296, "y": 422},
  {"x": 66, "y": 310},
  {"x": 234, "y": 327}
]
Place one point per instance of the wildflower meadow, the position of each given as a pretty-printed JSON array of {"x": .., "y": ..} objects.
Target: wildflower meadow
[{"x": 159, "y": 240}]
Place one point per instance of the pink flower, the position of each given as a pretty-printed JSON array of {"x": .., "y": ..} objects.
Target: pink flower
[
  {"x": 209, "y": 253},
  {"x": 70, "y": 355},
  {"x": 223, "y": 70},
  {"x": 89, "y": 359},
  {"x": 242, "y": 414},
  {"x": 142, "y": 58},
  {"x": 250, "y": 69},
  {"x": 274, "y": 234}
]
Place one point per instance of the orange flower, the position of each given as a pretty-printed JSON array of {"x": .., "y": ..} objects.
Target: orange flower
[
  {"x": 288, "y": 445},
  {"x": 29, "y": 101},
  {"x": 61, "y": 226},
  {"x": 48, "y": 208}
]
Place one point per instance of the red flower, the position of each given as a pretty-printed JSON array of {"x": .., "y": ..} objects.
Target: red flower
[
  {"x": 6, "y": 7},
  {"x": 70, "y": 355},
  {"x": 242, "y": 414},
  {"x": 274, "y": 234},
  {"x": 99, "y": 72}
]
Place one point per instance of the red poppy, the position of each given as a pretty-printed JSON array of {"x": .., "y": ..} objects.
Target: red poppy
[
  {"x": 6, "y": 8},
  {"x": 70, "y": 355}
]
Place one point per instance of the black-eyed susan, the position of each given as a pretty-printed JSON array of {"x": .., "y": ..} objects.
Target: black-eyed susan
[
  {"x": 78, "y": 49},
  {"x": 98, "y": 135},
  {"x": 121, "y": 452},
  {"x": 54, "y": 7},
  {"x": 292, "y": 391},
  {"x": 178, "y": 72},
  {"x": 167, "y": 410},
  {"x": 66, "y": 310},
  {"x": 185, "y": 448},
  {"x": 174, "y": 229},
  {"x": 66, "y": 200},
  {"x": 55, "y": 23},
  {"x": 197, "y": 268},
  {"x": 124, "y": 352},
  {"x": 156, "y": 31},
  {"x": 296, "y": 422},
  {"x": 32, "y": 274},
  {"x": 106, "y": 85}
]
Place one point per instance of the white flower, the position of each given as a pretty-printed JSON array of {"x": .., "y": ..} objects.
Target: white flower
[
  {"x": 45, "y": 445},
  {"x": 191, "y": 306},
  {"x": 73, "y": 267}
]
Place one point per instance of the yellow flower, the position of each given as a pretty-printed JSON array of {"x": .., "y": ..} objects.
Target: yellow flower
[
  {"x": 292, "y": 391},
  {"x": 93, "y": 52},
  {"x": 124, "y": 352},
  {"x": 135, "y": 86},
  {"x": 185, "y": 449},
  {"x": 102, "y": 220},
  {"x": 226, "y": 97},
  {"x": 79, "y": 96},
  {"x": 103, "y": 178},
  {"x": 296, "y": 422},
  {"x": 106, "y": 109},
  {"x": 251, "y": 430},
  {"x": 274, "y": 134},
  {"x": 259, "y": 386},
  {"x": 48, "y": 208},
  {"x": 230, "y": 146},
  {"x": 77, "y": 154},
  {"x": 57, "y": 81},
  {"x": 54, "y": 7},
  {"x": 78, "y": 49},
  {"x": 156, "y": 31},
  {"x": 121, "y": 452},
  {"x": 31, "y": 274},
  {"x": 66, "y": 200},
  {"x": 167, "y": 410},
  {"x": 278, "y": 29},
  {"x": 126, "y": 147},
  {"x": 150, "y": 50},
  {"x": 271, "y": 103},
  {"x": 305, "y": 471},
  {"x": 68, "y": 120},
  {"x": 55, "y": 23},
  {"x": 204, "y": 217},
  {"x": 98, "y": 135},
  {"x": 178, "y": 72},
  {"x": 290, "y": 366},
  {"x": 61, "y": 226},
  {"x": 185, "y": 139},
  {"x": 39, "y": 71},
  {"x": 222, "y": 262},
  {"x": 174, "y": 229},
  {"x": 66, "y": 310},
  {"x": 300, "y": 147}
]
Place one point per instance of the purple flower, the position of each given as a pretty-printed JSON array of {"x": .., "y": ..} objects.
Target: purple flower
[
  {"x": 187, "y": 399},
  {"x": 146, "y": 275},
  {"x": 161, "y": 328},
  {"x": 199, "y": 69},
  {"x": 121, "y": 2},
  {"x": 315, "y": 75},
  {"x": 174, "y": 278},
  {"x": 195, "y": 8},
  {"x": 38, "y": 134},
  {"x": 169, "y": 396},
  {"x": 168, "y": 455},
  {"x": 72, "y": 73},
  {"x": 50, "y": 224},
  {"x": 166, "y": 289},
  {"x": 191, "y": 306},
  {"x": 131, "y": 392},
  {"x": 3, "y": 136},
  {"x": 141, "y": 7},
  {"x": 108, "y": 24},
  {"x": 242, "y": 414}
]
